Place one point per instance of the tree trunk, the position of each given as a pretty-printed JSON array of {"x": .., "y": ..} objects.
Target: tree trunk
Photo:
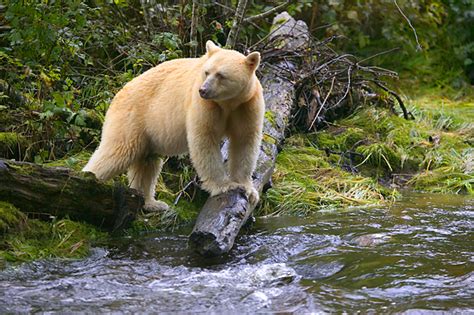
[
  {"x": 222, "y": 216},
  {"x": 62, "y": 192}
]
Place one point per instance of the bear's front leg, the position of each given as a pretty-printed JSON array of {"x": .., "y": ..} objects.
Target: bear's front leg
[
  {"x": 204, "y": 139},
  {"x": 245, "y": 135},
  {"x": 243, "y": 153}
]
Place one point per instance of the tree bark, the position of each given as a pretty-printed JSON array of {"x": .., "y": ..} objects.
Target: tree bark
[
  {"x": 59, "y": 191},
  {"x": 222, "y": 216}
]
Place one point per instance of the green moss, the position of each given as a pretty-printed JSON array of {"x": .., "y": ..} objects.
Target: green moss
[
  {"x": 447, "y": 173},
  {"x": 10, "y": 217},
  {"x": 10, "y": 142},
  {"x": 64, "y": 238},
  {"x": 38, "y": 239},
  {"x": 25, "y": 239},
  {"x": 9, "y": 139},
  {"x": 339, "y": 138},
  {"x": 270, "y": 117},
  {"x": 24, "y": 169},
  {"x": 380, "y": 155},
  {"x": 75, "y": 162}
]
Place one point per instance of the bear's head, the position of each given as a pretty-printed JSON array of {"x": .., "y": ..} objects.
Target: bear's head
[{"x": 227, "y": 74}]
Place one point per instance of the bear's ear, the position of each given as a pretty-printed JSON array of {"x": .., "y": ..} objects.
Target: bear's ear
[
  {"x": 253, "y": 60},
  {"x": 211, "y": 47}
]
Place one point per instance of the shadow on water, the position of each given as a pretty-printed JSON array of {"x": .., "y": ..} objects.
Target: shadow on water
[{"x": 415, "y": 255}]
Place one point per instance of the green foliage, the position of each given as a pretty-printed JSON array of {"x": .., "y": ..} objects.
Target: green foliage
[
  {"x": 66, "y": 60},
  {"x": 444, "y": 29}
]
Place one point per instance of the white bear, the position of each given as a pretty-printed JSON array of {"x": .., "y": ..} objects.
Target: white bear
[{"x": 180, "y": 106}]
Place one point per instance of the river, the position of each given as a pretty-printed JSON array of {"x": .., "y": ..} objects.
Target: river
[{"x": 413, "y": 256}]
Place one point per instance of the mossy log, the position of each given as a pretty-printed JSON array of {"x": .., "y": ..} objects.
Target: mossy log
[
  {"x": 62, "y": 192},
  {"x": 222, "y": 216}
]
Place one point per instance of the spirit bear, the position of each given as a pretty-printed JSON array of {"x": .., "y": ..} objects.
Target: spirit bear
[{"x": 180, "y": 106}]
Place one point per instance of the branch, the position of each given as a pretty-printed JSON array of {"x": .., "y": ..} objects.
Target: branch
[
  {"x": 193, "y": 33},
  {"x": 418, "y": 45},
  {"x": 267, "y": 13},
  {"x": 406, "y": 114},
  {"x": 239, "y": 16},
  {"x": 62, "y": 192},
  {"x": 322, "y": 105}
]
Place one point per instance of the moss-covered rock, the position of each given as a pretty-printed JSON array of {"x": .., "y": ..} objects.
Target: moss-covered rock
[
  {"x": 38, "y": 239},
  {"x": 25, "y": 239}
]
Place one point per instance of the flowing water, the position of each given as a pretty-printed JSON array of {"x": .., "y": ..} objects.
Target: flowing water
[{"x": 415, "y": 255}]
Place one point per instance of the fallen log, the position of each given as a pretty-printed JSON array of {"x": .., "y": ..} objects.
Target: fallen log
[
  {"x": 222, "y": 216},
  {"x": 59, "y": 191}
]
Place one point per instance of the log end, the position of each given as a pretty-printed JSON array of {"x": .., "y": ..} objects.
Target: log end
[
  {"x": 219, "y": 222},
  {"x": 207, "y": 244}
]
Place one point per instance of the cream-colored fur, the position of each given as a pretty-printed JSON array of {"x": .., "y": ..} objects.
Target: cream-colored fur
[{"x": 180, "y": 106}]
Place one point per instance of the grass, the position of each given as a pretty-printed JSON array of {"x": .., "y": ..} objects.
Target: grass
[{"x": 307, "y": 179}]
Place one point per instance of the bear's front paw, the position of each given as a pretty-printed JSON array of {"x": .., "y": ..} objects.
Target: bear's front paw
[
  {"x": 252, "y": 194},
  {"x": 215, "y": 188},
  {"x": 155, "y": 206}
]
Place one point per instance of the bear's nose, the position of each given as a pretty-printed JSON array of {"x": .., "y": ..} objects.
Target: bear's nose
[{"x": 203, "y": 92}]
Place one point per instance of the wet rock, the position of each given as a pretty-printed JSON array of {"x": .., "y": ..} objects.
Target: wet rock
[
  {"x": 371, "y": 240},
  {"x": 319, "y": 270},
  {"x": 274, "y": 274}
]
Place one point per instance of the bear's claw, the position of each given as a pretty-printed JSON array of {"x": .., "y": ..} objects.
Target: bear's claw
[{"x": 250, "y": 191}]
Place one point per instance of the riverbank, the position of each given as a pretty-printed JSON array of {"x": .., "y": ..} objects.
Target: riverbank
[{"x": 368, "y": 157}]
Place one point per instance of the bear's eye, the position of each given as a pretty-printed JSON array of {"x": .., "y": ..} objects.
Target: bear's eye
[
  {"x": 220, "y": 75},
  {"x": 206, "y": 73}
]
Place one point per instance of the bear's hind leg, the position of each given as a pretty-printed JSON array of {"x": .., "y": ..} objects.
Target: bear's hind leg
[
  {"x": 143, "y": 175},
  {"x": 109, "y": 161}
]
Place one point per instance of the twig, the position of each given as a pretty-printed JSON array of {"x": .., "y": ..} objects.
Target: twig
[
  {"x": 266, "y": 13},
  {"x": 418, "y": 46},
  {"x": 348, "y": 87},
  {"x": 181, "y": 193},
  {"x": 324, "y": 103},
  {"x": 378, "y": 54},
  {"x": 406, "y": 114}
]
